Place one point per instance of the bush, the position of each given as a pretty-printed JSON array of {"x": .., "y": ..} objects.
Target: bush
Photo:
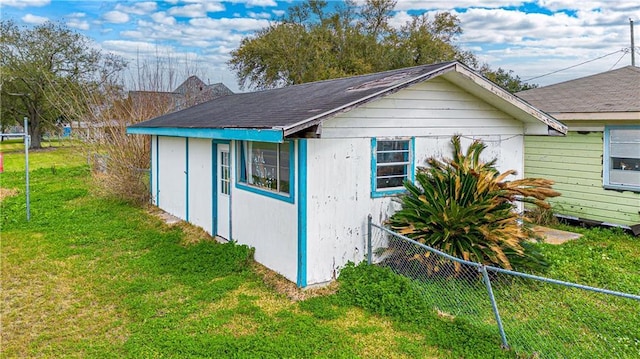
[{"x": 464, "y": 207}]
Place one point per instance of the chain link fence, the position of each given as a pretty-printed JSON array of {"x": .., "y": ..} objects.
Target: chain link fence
[{"x": 534, "y": 316}]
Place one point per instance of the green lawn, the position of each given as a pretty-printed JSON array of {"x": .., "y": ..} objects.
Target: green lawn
[
  {"x": 53, "y": 154},
  {"x": 92, "y": 277}
]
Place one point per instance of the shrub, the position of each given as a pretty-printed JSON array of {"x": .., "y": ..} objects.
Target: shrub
[{"x": 464, "y": 207}]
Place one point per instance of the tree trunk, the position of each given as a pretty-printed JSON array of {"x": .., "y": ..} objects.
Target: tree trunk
[{"x": 34, "y": 130}]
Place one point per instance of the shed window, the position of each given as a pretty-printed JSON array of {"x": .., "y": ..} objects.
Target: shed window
[
  {"x": 622, "y": 158},
  {"x": 392, "y": 164},
  {"x": 266, "y": 166}
]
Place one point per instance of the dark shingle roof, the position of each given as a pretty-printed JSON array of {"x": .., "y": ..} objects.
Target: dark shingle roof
[
  {"x": 612, "y": 91},
  {"x": 289, "y": 106}
]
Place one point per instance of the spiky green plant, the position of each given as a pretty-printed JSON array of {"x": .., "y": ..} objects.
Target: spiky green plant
[{"x": 465, "y": 207}]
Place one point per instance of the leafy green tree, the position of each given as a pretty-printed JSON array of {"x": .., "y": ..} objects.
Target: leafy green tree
[
  {"x": 43, "y": 65},
  {"x": 465, "y": 207},
  {"x": 314, "y": 42},
  {"x": 506, "y": 79}
]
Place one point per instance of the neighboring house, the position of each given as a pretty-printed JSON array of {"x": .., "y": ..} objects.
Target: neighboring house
[
  {"x": 294, "y": 171},
  {"x": 597, "y": 165},
  {"x": 143, "y": 105},
  {"x": 191, "y": 92}
]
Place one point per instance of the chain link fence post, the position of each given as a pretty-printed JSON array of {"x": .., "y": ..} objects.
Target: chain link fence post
[{"x": 494, "y": 306}]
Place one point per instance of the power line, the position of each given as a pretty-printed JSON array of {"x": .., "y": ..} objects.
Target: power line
[
  {"x": 570, "y": 67},
  {"x": 623, "y": 54}
]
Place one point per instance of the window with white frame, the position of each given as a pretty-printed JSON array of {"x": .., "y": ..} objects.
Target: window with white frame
[
  {"x": 622, "y": 158},
  {"x": 225, "y": 173},
  {"x": 392, "y": 164},
  {"x": 265, "y": 166}
]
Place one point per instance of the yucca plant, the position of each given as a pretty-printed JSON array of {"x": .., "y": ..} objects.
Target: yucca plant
[{"x": 465, "y": 207}]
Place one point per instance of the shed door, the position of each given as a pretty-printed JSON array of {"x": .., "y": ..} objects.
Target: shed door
[{"x": 223, "y": 196}]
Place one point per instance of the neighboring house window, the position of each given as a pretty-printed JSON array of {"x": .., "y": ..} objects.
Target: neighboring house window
[
  {"x": 391, "y": 165},
  {"x": 622, "y": 158},
  {"x": 267, "y": 168}
]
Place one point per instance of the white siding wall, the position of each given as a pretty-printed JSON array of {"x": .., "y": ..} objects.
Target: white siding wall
[
  {"x": 267, "y": 224},
  {"x": 339, "y": 164},
  {"x": 172, "y": 179},
  {"x": 200, "y": 183},
  {"x": 431, "y": 108}
]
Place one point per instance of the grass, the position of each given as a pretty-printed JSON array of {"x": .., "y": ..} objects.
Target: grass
[
  {"x": 54, "y": 154},
  {"x": 544, "y": 318},
  {"x": 94, "y": 277}
]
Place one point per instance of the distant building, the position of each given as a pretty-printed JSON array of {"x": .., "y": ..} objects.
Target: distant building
[{"x": 143, "y": 105}]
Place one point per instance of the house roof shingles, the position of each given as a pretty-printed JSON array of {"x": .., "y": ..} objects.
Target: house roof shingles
[
  {"x": 287, "y": 106},
  {"x": 612, "y": 91},
  {"x": 293, "y": 109}
]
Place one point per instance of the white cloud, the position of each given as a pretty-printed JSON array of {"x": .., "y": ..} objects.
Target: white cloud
[
  {"x": 586, "y": 5},
  {"x": 162, "y": 18},
  {"x": 256, "y": 3},
  {"x": 34, "y": 19},
  {"x": 21, "y": 4},
  {"x": 116, "y": 17},
  {"x": 196, "y": 10},
  {"x": 140, "y": 8},
  {"x": 449, "y": 5},
  {"x": 259, "y": 15},
  {"x": 76, "y": 21},
  {"x": 78, "y": 24},
  {"x": 135, "y": 47},
  {"x": 235, "y": 24}
]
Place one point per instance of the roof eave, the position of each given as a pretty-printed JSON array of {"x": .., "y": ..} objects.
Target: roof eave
[
  {"x": 506, "y": 97},
  {"x": 244, "y": 134}
]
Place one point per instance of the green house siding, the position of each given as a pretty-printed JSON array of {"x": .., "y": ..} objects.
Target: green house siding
[{"x": 574, "y": 162}]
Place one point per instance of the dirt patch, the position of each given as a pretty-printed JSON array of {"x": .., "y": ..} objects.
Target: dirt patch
[
  {"x": 7, "y": 192},
  {"x": 555, "y": 236},
  {"x": 192, "y": 234}
]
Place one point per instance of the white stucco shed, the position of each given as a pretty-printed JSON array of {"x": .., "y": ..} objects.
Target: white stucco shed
[{"x": 294, "y": 172}]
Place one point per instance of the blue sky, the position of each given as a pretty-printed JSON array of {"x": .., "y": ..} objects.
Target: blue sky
[{"x": 532, "y": 38}]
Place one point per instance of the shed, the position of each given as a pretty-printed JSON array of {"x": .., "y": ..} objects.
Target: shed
[
  {"x": 294, "y": 171},
  {"x": 596, "y": 166}
]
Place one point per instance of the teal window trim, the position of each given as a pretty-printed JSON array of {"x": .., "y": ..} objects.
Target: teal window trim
[
  {"x": 377, "y": 193},
  {"x": 241, "y": 174},
  {"x": 214, "y": 185},
  {"x": 242, "y": 134},
  {"x": 214, "y": 188},
  {"x": 186, "y": 173},
  {"x": 151, "y": 176},
  {"x": 158, "y": 171},
  {"x": 301, "y": 279},
  {"x": 606, "y": 160}
]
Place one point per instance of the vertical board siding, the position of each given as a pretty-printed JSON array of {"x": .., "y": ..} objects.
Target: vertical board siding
[
  {"x": 171, "y": 177},
  {"x": 574, "y": 162},
  {"x": 200, "y": 183},
  {"x": 339, "y": 200}
]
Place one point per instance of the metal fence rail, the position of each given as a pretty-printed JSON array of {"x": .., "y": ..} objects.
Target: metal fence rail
[{"x": 535, "y": 316}]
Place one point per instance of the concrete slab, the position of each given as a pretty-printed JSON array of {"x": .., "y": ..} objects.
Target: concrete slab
[{"x": 555, "y": 236}]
